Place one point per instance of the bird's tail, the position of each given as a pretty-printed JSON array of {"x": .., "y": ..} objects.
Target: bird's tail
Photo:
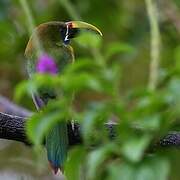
[{"x": 57, "y": 146}]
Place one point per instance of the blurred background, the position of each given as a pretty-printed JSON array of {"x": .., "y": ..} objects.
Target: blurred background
[{"x": 122, "y": 22}]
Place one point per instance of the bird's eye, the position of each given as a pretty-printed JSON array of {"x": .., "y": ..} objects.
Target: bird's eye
[
  {"x": 68, "y": 33},
  {"x": 65, "y": 35}
]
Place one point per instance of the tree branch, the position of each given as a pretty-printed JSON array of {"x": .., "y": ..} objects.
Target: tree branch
[
  {"x": 8, "y": 107},
  {"x": 13, "y": 128}
]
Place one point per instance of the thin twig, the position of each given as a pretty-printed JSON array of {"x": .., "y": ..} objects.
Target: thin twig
[
  {"x": 30, "y": 24},
  {"x": 155, "y": 43},
  {"x": 70, "y": 9}
]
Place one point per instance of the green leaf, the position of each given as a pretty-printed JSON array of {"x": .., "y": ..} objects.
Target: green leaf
[
  {"x": 96, "y": 160},
  {"x": 39, "y": 124},
  {"x": 45, "y": 80},
  {"x": 149, "y": 123},
  {"x": 82, "y": 65},
  {"x": 133, "y": 148},
  {"x": 93, "y": 122},
  {"x": 154, "y": 168},
  {"x": 32, "y": 85},
  {"x": 20, "y": 90},
  {"x": 74, "y": 164},
  {"x": 89, "y": 40},
  {"x": 151, "y": 168},
  {"x": 174, "y": 90},
  {"x": 81, "y": 82},
  {"x": 118, "y": 47},
  {"x": 122, "y": 171},
  {"x": 88, "y": 124}
]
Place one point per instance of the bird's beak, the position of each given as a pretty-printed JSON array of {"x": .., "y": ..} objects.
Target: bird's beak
[{"x": 83, "y": 25}]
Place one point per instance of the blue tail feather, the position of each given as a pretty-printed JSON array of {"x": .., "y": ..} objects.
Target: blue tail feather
[{"x": 57, "y": 145}]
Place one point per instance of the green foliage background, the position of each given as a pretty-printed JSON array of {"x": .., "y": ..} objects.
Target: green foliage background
[{"x": 110, "y": 78}]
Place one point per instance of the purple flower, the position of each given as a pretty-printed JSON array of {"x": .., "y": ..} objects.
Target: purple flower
[{"x": 46, "y": 64}]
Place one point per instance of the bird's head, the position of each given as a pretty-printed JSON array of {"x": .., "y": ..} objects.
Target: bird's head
[
  {"x": 73, "y": 29},
  {"x": 55, "y": 33}
]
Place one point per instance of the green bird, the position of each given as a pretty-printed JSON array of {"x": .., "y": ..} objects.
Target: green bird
[{"x": 48, "y": 51}]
